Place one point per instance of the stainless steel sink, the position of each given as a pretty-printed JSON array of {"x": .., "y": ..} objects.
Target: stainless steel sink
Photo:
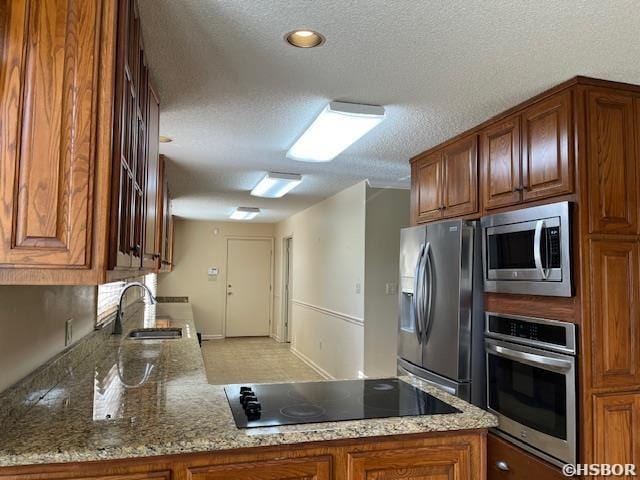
[{"x": 155, "y": 333}]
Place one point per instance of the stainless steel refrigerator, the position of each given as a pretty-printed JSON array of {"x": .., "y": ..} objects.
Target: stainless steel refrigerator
[{"x": 441, "y": 323}]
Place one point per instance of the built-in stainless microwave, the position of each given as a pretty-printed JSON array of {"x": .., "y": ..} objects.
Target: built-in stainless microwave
[{"x": 528, "y": 251}]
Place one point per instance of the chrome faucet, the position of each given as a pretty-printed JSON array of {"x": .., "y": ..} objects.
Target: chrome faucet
[{"x": 117, "y": 325}]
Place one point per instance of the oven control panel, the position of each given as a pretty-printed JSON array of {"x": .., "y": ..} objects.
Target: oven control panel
[{"x": 551, "y": 334}]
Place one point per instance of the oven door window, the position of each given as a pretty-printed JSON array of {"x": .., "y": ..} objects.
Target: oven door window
[{"x": 531, "y": 396}]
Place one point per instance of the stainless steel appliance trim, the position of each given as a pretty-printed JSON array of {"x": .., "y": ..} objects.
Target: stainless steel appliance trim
[
  {"x": 553, "y": 364},
  {"x": 558, "y": 282},
  {"x": 565, "y": 450},
  {"x": 459, "y": 389},
  {"x": 570, "y": 333}
]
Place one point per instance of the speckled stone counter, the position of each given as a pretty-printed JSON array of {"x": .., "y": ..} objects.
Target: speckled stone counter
[{"x": 146, "y": 398}]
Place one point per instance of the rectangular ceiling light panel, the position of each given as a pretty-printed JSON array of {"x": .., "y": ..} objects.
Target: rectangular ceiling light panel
[
  {"x": 276, "y": 185},
  {"x": 244, "y": 213},
  {"x": 337, "y": 127}
]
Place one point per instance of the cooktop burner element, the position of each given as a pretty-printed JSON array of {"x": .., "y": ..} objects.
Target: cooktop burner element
[{"x": 315, "y": 402}]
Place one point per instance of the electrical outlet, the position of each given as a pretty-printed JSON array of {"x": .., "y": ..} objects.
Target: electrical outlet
[
  {"x": 68, "y": 332},
  {"x": 391, "y": 288},
  {"x": 320, "y": 345},
  {"x": 358, "y": 287}
]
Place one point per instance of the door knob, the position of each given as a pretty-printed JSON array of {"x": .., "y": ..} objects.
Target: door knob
[{"x": 502, "y": 465}]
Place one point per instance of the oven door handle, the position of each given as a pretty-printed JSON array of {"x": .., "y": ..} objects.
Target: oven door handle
[
  {"x": 547, "y": 363},
  {"x": 537, "y": 249}
]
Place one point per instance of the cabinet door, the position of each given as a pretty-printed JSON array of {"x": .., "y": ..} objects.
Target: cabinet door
[
  {"x": 616, "y": 429},
  {"x": 450, "y": 462},
  {"x": 612, "y": 159},
  {"x": 47, "y": 135},
  {"x": 427, "y": 187},
  {"x": 153, "y": 190},
  {"x": 314, "y": 468},
  {"x": 505, "y": 461},
  {"x": 615, "y": 299},
  {"x": 547, "y": 166},
  {"x": 501, "y": 176},
  {"x": 460, "y": 162}
]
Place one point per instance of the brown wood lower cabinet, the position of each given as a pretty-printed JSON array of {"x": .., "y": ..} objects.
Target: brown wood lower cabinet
[
  {"x": 451, "y": 456},
  {"x": 616, "y": 429},
  {"x": 516, "y": 463},
  {"x": 308, "y": 468}
]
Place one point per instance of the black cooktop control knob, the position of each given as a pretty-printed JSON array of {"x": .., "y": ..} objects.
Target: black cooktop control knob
[
  {"x": 247, "y": 399},
  {"x": 245, "y": 389},
  {"x": 246, "y": 393},
  {"x": 252, "y": 408}
]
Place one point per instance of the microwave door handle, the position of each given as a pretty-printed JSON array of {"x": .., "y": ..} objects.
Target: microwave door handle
[
  {"x": 415, "y": 298},
  {"x": 547, "y": 363},
  {"x": 537, "y": 249}
]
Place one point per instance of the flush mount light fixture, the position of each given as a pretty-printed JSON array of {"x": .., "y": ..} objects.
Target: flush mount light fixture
[
  {"x": 304, "y": 38},
  {"x": 338, "y": 126},
  {"x": 164, "y": 139},
  {"x": 244, "y": 213},
  {"x": 276, "y": 185}
]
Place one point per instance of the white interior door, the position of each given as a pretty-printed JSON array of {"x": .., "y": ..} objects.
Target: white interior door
[{"x": 248, "y": 287}]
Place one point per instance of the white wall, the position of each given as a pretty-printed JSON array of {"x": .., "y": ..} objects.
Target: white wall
[
  {"x": 387, "y": 212},
  {"x": 196, "y": 248},
  {"x": 328, "y": 263},
  {"x": 32, "y": 325}
]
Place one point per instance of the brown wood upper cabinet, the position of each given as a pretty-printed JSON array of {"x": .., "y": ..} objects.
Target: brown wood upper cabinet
[
  {"x": 74, "y": 142},
  {"x": 547, "y": 169},
  {"x": 445, "y": 182},
  {"x": 528, "y": 155},
  {"x": 613, "y": 183},
  {"x": 154, "y": 190},
  {"x": 48, "y": 129},
  {"x": 500, "y": 159}
]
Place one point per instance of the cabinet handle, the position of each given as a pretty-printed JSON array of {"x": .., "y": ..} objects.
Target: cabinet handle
[
  {"x": 502, "y": 465},
  {"x": 518, "y": 189}
]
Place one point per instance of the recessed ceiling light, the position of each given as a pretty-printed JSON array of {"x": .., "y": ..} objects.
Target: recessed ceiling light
[
  {"x": 164, "y": 139},
  {"x": 338, "y": 126},
  {"x": 276, "y": 185},
  {"x": 244, "y": 213},
  {"x": 304, "y": 38}
]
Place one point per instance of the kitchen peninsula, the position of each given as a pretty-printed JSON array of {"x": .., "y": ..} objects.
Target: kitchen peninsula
[{"x": 143, "y": 409}]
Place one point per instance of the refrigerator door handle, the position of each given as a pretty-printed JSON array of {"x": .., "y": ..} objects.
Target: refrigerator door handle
[
  {"x": 416, "y": 298},
  {"x": 429, "y": 300}
]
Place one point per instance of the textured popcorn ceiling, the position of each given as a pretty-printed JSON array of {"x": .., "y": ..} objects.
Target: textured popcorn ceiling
[{"x": 235, "y": 96}]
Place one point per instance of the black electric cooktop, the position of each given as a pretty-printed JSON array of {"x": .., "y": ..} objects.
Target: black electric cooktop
[{"x": 313, "y": 402}]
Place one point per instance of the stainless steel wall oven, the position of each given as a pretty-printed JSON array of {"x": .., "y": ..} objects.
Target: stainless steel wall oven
[{"x": 531, "y": 383}]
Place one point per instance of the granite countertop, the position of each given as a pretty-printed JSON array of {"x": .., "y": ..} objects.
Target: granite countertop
[{"x": 146, "y": 398}]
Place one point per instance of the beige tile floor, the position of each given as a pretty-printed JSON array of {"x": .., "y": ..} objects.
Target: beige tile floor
[{"x": 253, "y": 360}]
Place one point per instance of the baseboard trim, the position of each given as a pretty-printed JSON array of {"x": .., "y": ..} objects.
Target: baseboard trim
[
  {"x": 212, "y": 337},
  {"x": 333, "y": 313},
  {"x": 326, "y": 375},
  {"x": 276, "y": 337}
]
